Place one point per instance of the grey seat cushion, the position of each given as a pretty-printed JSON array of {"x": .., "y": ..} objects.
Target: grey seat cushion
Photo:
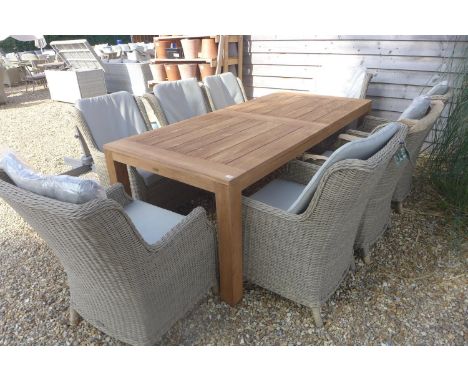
[
  {"x": 180, "y": 100},
  {"x": 148, "y": 177},
  {"x": 440, "y": 88},
  {"x": 279, "y": 193},
  {"x": 111, "y": 117},
  {"x": 417, "y": 109},
  {"x": 224, "y": 90},
  {"x": 151, "y": 222}
]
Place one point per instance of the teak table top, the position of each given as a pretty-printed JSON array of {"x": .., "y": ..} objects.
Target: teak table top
[
  {"x": 241, "y": 143},
  {"x": 227, "y": 150}
]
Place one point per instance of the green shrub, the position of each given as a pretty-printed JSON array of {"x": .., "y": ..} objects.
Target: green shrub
[{"x": 448, "y": 159}]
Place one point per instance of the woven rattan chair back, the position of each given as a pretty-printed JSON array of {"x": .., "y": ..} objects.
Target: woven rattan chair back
[{"x": 119, "y": 283}]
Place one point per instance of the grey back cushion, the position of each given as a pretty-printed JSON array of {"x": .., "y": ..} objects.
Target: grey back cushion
[
  {"x": 60, "y": 187},
  {"x": 180, "y": 100},
  {"x": 111, "y": 117},
  {"x": 359, "y": 149},
  {"x": 440, "y": 88},
  {"x": 417, "y": 109},
  {"x": 224, "y": 90}
]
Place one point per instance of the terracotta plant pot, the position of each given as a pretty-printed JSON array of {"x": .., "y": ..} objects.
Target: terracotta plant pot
[
  {"x": 208, "y": 48},
  {"x": 160, "y": 47},
  {"x": 188, "y": 71},
  {"x": 191, "y": 47},
  {"x": 206, "y": 70},
  {"x": 158, "y": 72},
  {"x": 172, "y": 71}
]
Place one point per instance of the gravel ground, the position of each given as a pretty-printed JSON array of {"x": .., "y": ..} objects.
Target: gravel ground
[{"x": 413, "y": 293}]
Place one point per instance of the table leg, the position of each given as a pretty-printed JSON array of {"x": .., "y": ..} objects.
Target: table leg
[
  {"x": 229, "y": 221},
  {"x": 117, "y": 172}
]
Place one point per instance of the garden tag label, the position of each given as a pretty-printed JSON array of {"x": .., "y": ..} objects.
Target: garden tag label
[{"x": 401, "y": 154}]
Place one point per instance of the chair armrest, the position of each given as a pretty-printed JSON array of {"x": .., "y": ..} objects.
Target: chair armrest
[
  {"x": 358, "y": 133},
  {"x": 314, "y": 159},
  {"x": 444, "y": 98},
  {"x": 299, "y": 171},
  {"x": 117, "y": 193},
  {"x": 157, "y": 110},
  {"x": 306, "y": 156},
  {"x": 370, "y": 122},
  {"x": 189, "y": 231},
  {"x": 349, "y": 137}
]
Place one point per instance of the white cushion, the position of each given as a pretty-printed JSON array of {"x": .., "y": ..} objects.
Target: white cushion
[
  {"x": 65, "y": 188},
  {"x": 417, "y": 109},
  {"x": 340, "y": 81},
  {"x": 111, "y": 117},
  {"x": 279, "y": 193},
  {"x": 107, "y": 49},
  {"x": 359, "y": 149},
  {"x": 151, "y": 222},
  {"x": 440, "y": 88},
  {"x": 224, "y": 90},
  {"x": 180, "y": 100}
]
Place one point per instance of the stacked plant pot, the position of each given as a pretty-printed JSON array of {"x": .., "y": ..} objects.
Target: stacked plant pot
[
  {"x": 209, "y": 51},
  {"x": 191, "y": 48}
]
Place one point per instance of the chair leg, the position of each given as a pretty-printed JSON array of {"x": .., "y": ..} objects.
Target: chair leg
[
  {"x": 74, "y": 317},
  {"x": 353, "y": 265},
  {"x": 317, "y": 317},
  {"x": 399, "y": 207},
  {"x": 366, "y": 254}
]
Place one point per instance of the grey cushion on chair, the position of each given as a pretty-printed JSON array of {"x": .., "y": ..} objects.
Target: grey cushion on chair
[
  {"x": 151, "y": 222},
  {"x": 111, "y": 117},
  {"x": 279, "y": 193},
  {"x": 417, "y": 109},
  {"x": 224, "y": 90},
  {"x": 149, "y": 178},
  {"x": 440, "y": 88},
  {"x": 359, "y": 149},
  {"x": 64, "y": 188},
  {"x": 180, "y": 100}
]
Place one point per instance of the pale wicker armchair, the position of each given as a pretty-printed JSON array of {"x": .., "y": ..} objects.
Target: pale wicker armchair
[
  {"x": 418, "y": 131},
  {"x": 129, "y": 288},
  {"x": 395, "y": 185},
  {"x": 304, "y": 257},
  {"x": 145, "y": 186}
]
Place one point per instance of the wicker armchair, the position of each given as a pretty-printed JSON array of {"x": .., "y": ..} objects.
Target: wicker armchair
[
  {"x": 304, "y": 257},
  {"x": 395, "y": 184},
  {"x": 419, "y": 130},
  {"x": 145, "y": 186},
  {"x": 129, "y": 288}
]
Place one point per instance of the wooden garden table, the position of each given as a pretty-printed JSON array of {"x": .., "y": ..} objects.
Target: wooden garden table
[{"x": 230, "y": 149}]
